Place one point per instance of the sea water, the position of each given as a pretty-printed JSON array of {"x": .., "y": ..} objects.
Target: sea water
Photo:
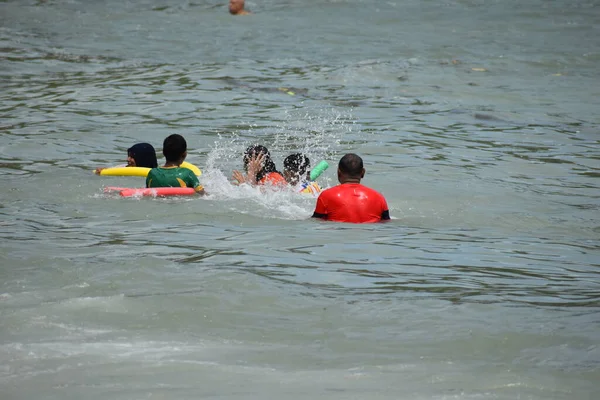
[{"x": 477, "y": 120}]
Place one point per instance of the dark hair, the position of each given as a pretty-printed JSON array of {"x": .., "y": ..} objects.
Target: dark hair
[
  {"x": 143, "y": 154},
  {"x": 173, "y": 147},
  {"x": 351, "y": 165},
  {"x": 296, "y": 163},
  {"x": 255, "y": 150}
]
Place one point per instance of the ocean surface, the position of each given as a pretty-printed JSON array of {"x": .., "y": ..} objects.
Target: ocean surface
[{"x": 479, "y": 121}]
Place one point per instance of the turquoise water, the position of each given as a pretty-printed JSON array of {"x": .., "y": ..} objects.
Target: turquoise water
[{"x": 477, "y": 120}]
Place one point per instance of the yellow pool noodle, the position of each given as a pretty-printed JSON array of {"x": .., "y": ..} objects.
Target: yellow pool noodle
[{"x": 141, "y": 171}]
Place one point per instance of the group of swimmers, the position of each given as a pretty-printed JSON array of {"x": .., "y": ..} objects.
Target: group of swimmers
[
  {"x": 260, "y": 169},
  {"x": 347, "y": 202}
]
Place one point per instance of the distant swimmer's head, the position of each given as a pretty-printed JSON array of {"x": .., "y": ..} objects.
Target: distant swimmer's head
[
  {"x": 142, "y": 155},
  {"x": 295, "y": 167},
  {"x": 350, "y": 168},
  {"x": 236, "y": 7},
  {"x": 175, "y": 149}
]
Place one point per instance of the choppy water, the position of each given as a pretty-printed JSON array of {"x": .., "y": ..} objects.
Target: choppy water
[{"x": 478, "y": 120}]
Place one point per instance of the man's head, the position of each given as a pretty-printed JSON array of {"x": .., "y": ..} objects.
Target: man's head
[
  {"x": 175, "y": 148},
  {"x": 236, "y": 6},
  {"x": 350, "y": 168},
  {"x": 295, "y": 167}
]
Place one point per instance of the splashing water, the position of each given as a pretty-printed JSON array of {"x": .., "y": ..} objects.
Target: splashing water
[{"x": 317, "y": 133}]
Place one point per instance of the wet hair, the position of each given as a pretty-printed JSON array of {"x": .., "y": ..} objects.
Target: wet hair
[
  {"x": 351, "y": 165},
  {"x": 297, "y": 163},
  {"x": 143, "y": 154},
  {"x": 255, "y": 150},
  {"x": 173, "y": 147}
]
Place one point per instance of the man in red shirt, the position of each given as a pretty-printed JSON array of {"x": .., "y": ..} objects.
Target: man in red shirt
[{"x": 350, "y": 201}]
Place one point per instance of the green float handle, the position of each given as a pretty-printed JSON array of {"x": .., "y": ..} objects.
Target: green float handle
[{"x": 318, "y": 170}]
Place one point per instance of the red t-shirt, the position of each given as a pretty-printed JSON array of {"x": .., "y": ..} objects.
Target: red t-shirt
[{"x": 351, "y": 202}]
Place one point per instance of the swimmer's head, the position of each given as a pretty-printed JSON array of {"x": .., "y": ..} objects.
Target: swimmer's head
[
  {"x": 175, "y": 148},
  {"x": 254, "y": 151},
  {"x": 236, "y": 6},
  {"x": 351, "y": 168},
  {"x": 142, "y": 155},
  {"x": 295, "y": 167}
]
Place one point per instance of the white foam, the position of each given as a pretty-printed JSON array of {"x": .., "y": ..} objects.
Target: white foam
[{"x": 257, "y": 200}]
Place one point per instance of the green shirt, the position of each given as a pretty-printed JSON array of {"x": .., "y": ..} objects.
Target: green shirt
[{"x": 172, "y": 177}]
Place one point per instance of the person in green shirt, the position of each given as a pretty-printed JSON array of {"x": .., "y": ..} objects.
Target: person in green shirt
[{"x": 171, "y": 174}]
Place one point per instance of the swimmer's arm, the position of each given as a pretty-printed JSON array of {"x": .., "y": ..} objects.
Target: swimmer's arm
[
  {"x": 100, "y": 169},
  {"x": 320, "y": 209},
  {"x": 193, "y": 182},
  {"x": 254, "y": 166},
  {"x": 239, "y": 177},
  {"x": 385, "y": 214},
  {"x": 200, "y": 190}
]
